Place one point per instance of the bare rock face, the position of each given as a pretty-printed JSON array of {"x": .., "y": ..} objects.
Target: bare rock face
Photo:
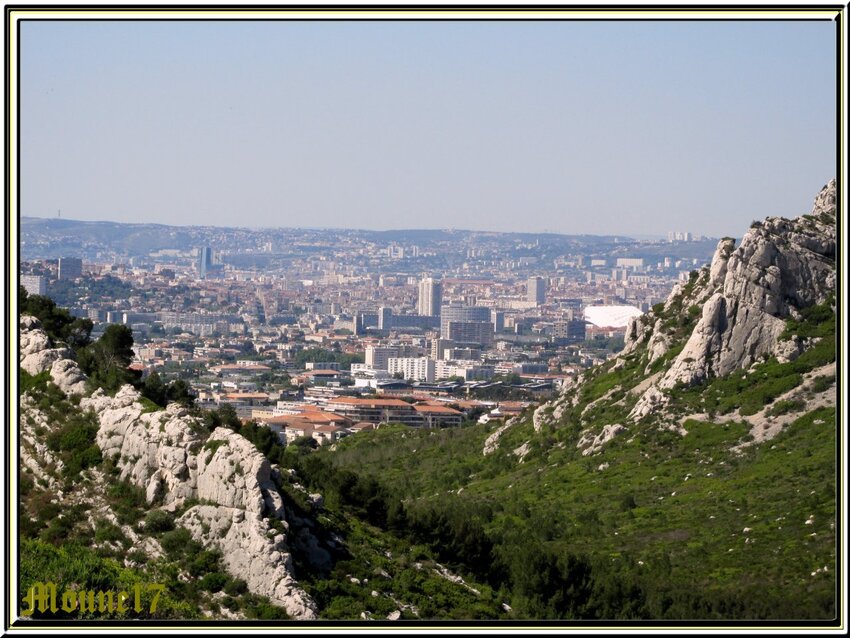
[
  {"x": 35, "y": 352},
  {"x": 637, "y": 332},
  {"x": 232, "y": 473},
  {"x": 825, "y": 200},
  {"x": 593, "y": 444},
  {"x": 66, "y": 374},
  {"x": 659, "y": 344},
  {"x": 491, "y": 444},
  {"x": 720, "y": 262},
  {"x": 152, "y": 450},
  {"x": 780, "y": 267},
  {"x": 539, "y": 417},
  {"x": 251, "y": 551}
]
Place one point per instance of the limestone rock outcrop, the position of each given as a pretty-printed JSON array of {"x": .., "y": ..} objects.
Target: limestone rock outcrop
[
  {"x": 36, "y": 353},
  {"x": 491, "y": 444},
  {"x": 594, "y": 443},
  {"x": 154, "y": 450},
  {"x": 169, "y": 454},
  {"x": 251, "y": 551},
  {"x": 232, "y": 473},
  {"x": 36, "y": 457},
  {"x": 68, "y": 377},
  {"x": 780, "y": 267}
]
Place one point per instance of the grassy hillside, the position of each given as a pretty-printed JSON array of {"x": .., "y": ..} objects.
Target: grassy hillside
[{"x": 656, "y": 525}]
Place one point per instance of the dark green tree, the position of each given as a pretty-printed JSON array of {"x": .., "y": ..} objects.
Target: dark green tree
[
  {"x": 155, "y": 390},
  {"x": 178, "y": 391},
  {"x": 106, "y": 361}
]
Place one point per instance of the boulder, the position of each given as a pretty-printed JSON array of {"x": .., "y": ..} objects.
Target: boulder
[
  {"x": 36, "y": 353},
  {"x": 594, "y": 444},
  {"x": 68, "y": 377}
]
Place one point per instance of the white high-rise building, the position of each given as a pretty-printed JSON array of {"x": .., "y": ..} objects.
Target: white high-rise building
[
  {"x": 34, "y": 284},
  {"x": 430, "y": 297},
  {"x": 412, "y": 368}
]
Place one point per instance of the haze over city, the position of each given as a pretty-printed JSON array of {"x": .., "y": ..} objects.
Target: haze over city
[{"x": 569, "y": 127}]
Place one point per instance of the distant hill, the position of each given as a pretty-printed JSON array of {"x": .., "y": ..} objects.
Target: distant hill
[{"x": 45, "y": 238}]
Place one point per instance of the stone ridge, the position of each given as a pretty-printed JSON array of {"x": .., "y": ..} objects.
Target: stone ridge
[
  {"x": 168, "y": 454},
  {"x": 780, "y": 267}
]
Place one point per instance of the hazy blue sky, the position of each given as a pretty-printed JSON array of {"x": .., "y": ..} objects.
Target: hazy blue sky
[{"x": 572, "y": 127}]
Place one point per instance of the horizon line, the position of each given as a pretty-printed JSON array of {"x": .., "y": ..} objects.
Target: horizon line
[{"x": 341, "y": 228}]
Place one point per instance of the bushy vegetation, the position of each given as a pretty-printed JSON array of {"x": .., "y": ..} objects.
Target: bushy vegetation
[
  {"x": 815, "y": 321},
  {"x": 161, "y": 394},
  {"x": 648, "y": 537},
  {"x": 106, "y": 361},
  {"x": 78, "y": 567},
  {"x": 75, "y": 443}
]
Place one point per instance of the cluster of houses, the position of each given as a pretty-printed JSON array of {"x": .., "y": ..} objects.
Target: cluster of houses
[{"x": 341, "y": 416}]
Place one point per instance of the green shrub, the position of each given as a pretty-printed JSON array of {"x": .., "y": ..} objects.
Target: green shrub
[
  {"x": 236, "y": 587},
  {"x": 815, "y": 321},
  {"x": 175, "y": 542},
  {"x": 204, "y": 562},
  {"x": 213, "y": 582},
  {"x": 128, "y": 502},
  {"x": 148, "y": 405},
  {"x": 75, "y": 443},
  {"x": 106, "y": 531},
  {"x": 786, "y": 406},
  {"x": 158, "y": 521},
  {"x": 822, "y": 383},
  {"x": 266, "y": 611},
  {"x": 29, "y": 383}
]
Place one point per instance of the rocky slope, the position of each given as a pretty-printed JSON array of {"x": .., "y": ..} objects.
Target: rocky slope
[
  {"x": 729, "y": 316},
  {"x": 170, "y": 455},
  {"x": 746, "y": 294}
]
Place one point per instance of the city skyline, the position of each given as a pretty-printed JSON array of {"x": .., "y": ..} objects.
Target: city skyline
[{"x": 630, "y": 128}]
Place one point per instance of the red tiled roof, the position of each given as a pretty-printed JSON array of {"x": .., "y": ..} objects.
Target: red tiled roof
[{"x": 326, "y": 428}]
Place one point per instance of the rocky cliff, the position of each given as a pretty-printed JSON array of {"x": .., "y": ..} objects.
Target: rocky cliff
[
  {"x": 173, "y": 458},
  {"x": 730, "y": 315},
  {"x": 746, "y": 295}
]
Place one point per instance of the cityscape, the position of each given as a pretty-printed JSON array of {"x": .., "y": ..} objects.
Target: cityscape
[{"x": 337, "y": 328}]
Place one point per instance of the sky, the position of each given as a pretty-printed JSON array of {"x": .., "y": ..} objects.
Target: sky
[{"x": 603, "y": 127}]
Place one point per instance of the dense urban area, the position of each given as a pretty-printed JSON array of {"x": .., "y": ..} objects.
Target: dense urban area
[{"x": 322, "y": 333}]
